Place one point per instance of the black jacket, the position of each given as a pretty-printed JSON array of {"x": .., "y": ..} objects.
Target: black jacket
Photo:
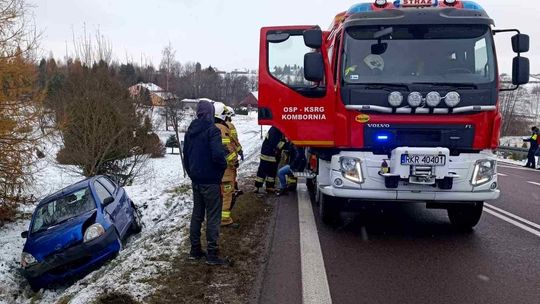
[
  {"x": 274, "y": 142},
  {"x": 204, "y": 155}
]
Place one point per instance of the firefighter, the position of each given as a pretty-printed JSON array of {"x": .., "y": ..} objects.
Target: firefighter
[
  {"x": 533, "y": 140},
  {"x": 234, "y": 132},
  {"x": 234, "y": 137},
  {"x": 227, "y": 183},
  {"x": 271, "y": 150}
]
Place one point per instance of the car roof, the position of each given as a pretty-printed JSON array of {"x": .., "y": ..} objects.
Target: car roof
[{"x": 71, "y": 188}]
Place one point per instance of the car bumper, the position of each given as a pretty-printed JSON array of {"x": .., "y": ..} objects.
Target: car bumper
[
  {"x": 73, "y": 261},
  {"x": 394, "y": 195}
]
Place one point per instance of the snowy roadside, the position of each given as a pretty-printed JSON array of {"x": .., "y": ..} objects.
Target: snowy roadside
[{"x": 163, "y": 195}]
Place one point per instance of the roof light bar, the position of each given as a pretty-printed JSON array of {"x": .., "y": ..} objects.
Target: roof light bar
[{"x": 381, "y": 3}]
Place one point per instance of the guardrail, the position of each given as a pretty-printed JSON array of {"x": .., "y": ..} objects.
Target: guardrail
[
  {"x": 512, "y": 149},
  {"x": 515, "y": 152}
]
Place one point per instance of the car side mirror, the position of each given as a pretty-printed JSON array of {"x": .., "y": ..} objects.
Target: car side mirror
[
  {"x": 520, "y": 71},
  {"x": 108, "y": 201},
  {"x": 313, "y": 38},
  {"x": 520, "y": 43},
  {"x": 24, "y": 235},
  {"x": 314, "y": 67}
]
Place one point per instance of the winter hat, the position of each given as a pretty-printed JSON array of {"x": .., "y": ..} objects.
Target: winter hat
[{"x": 205, "y": 110}]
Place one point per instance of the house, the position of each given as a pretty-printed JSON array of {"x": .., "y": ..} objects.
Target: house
[
  {"x": 158, "y": 95},
  {"x": 251, "y": 101}
]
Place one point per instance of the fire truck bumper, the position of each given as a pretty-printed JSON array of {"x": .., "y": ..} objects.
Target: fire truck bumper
[
  {"x": 362, "y": 175},
  {"x": 396, "y": 195}
]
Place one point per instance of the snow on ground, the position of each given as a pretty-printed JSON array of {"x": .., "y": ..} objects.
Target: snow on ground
[{"x": 165, "y": 200}]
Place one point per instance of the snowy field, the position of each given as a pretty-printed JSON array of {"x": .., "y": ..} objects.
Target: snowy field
[{"x": 164, "y": 197}]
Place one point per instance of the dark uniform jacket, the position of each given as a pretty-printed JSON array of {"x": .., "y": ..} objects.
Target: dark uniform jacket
[{"x": 272, "y": 145}]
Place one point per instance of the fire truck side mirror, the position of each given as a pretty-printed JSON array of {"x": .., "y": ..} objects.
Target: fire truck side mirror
[
  {"x": 313, "y": 38},
  {"x": 520, "y": 43},
  {"x": 520, "y": 70},
  {"x": 314, "y": 67}
]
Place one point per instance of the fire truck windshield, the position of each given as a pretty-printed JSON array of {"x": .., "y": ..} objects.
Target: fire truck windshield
[{"x": 414, "y": 54}]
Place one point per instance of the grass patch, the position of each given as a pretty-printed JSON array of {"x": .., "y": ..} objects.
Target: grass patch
[
  {"x": 195, "y": 282},
  {"x": 115, "y": 298}
]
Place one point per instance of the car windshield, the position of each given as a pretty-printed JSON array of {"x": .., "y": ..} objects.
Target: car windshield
[
  {"x": 63, "y": 209},
  {"x": 419, "y": 54}
]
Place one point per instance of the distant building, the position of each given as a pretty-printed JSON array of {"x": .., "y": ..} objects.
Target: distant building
[
  {"x": 158, "y": 95},
  {"x": 251, "y": 101}
]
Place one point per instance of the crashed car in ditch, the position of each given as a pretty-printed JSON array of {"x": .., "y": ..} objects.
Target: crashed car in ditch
[{"x": 77, "y": 229}]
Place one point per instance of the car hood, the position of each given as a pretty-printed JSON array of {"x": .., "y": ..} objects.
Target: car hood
[{"x": 57, "y": 238}]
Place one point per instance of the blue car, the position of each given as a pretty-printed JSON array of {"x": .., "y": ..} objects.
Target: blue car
[{"x": 77, "y": 229}]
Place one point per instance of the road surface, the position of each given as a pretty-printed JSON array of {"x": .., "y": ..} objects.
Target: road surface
[{"x": 404, "y": 253}]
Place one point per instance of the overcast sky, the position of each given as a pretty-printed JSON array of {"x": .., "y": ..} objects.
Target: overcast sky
[{"x": 225, "y": 33}]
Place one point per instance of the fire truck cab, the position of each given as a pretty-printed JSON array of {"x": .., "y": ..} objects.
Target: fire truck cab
[{"x": 398, "y": 101}]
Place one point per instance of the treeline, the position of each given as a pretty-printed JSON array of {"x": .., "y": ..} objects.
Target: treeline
[{"x": 520, "y": 109}]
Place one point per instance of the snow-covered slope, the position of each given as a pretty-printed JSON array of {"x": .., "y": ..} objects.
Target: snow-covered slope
[{"x": 164, "y": 196}]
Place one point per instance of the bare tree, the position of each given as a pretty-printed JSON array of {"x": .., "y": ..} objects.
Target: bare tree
[
  {"x": 18, "y": 34},
  {"x": 92, "y": 50},
  {"x": 102, "y": 132},
  {"x": 175, "y": 109}
]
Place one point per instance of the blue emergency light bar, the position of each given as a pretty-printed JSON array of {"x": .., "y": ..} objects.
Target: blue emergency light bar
[{"x": 368, "y": 7}]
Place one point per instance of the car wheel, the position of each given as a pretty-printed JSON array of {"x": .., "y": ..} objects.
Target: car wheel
[
  {"x": 465, "y": 216},
  {"x": 330, "y": 209},
  {"x": 137, "y": 224}
]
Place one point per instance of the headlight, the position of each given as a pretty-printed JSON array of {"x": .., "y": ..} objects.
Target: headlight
[
  {"x": 433, "y": 99},
  {"x": 415, "y": 99},
  {"x": 351, "y": 169},
  {"x": 27, "y": 260},
  {"x": 452, "y": 99},
  {"x": 93, "y": 232},
  {"x": 484, "y": 170},
  {"x": 395, "y": 99}
]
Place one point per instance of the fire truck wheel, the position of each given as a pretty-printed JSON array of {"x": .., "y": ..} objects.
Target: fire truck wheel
[
  {"x": 465, "y": 216},
  {"x": 330, "y": 209}
]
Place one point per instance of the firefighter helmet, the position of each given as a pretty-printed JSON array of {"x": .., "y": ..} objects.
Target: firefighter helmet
[
  {"x": 230, "y": 112},
  {"x": 220, "y": 110}
]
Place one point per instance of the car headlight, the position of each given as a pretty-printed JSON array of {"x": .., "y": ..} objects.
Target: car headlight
[
  {"x": 93, "y": 232},
  {"x": 351, "y": 169},
  {"x": 484, "y": 170},
  {"x": 27, "y": 260}
]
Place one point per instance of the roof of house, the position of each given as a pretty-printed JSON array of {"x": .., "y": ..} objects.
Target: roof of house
[{"x": 250, "y": 100}]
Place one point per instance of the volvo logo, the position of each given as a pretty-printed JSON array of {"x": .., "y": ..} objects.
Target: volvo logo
[{"x": 380, "y": 126}]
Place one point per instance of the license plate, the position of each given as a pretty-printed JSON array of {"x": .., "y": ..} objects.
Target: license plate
[
  {"x": 423, "y": 160},
  {"x": 416, "y": 3}
]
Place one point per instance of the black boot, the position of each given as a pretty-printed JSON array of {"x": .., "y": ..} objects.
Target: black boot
[
  {"x": 196, "y": 253},
  {"x": 213, "y": 259}
]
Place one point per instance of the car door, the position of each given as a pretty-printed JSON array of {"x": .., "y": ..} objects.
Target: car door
[
  {"x": 114, "y": 209},
  {"x": 125, "y": 214},
  {"x": 302, "y": 110}
]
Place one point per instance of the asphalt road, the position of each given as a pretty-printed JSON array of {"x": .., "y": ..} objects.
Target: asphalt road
[{"x": 404, "y": 253}]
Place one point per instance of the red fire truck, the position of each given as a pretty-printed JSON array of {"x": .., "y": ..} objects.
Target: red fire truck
[{"x": 397, "y": 100}]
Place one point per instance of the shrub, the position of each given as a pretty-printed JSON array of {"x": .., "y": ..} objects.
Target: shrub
[{"x": 8, "y": 211}]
